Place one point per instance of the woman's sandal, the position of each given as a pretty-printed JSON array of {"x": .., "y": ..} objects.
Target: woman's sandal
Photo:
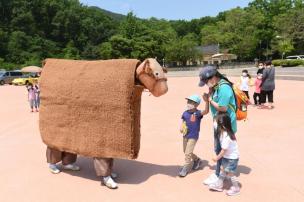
[{"x": 262, "y": 107}]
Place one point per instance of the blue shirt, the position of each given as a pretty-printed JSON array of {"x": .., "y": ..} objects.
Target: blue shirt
[
  {"x": 193, "y": 126},
  {"x": 223, "y": 96}
]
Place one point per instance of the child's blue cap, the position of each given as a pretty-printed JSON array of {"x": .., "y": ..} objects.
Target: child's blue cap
[{"x": 194, "y": 98}]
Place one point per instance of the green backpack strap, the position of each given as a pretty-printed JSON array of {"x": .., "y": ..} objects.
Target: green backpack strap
[
  {"x": 232, "y": 107},
  {"x": 229, "y": 105}
]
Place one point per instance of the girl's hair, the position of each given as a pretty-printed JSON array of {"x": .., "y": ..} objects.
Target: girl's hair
[
  {"x": 246, "y": 71},
  {"x": 221, "y": 76},
  {"x": 224, "y": 124}
]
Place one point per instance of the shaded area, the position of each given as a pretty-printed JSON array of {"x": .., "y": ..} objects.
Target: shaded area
[
  {"x": 129, "y": 171},
  {"x": 241, "y": 169}
]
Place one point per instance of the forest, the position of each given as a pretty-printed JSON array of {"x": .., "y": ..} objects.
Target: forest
[{"x": 32, "y": 30}]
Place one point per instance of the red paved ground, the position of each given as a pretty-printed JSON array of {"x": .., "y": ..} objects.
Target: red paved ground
[{"x": 270, "y": 142}]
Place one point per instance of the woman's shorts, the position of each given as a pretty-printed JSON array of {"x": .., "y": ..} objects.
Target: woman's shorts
[{"x": 230, "y": 165}]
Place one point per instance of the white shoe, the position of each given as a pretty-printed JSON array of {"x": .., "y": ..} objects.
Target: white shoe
[
  {"x": 217, "y": 186},
  {"x": 72, "y": 167},
  {"x": 233, "y": 191},
  {"x": 211, "y": 179},
  {"x": 53, "y": 168},
  {"x": 109, "y": 182}
]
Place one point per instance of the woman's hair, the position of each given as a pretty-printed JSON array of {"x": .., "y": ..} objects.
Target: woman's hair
[
  {"x": 221, "y": 76},
  {"x": 224, "y": 124},
  {"x": 246, "y": 71},
  {"x": 268, "y": 63}
]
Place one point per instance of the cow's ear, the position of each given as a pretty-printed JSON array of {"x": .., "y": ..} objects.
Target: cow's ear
[
  {"x": 165, "y": 70},
  {"x": 147, "y": 67}
]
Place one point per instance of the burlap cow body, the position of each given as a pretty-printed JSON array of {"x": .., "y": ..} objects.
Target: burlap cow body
[{"x": 91, "y": 108}]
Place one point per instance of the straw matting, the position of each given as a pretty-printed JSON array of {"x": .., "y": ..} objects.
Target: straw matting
[{"x": 91, "y": 108}]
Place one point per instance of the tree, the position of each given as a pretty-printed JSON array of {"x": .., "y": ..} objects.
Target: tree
[
  {"x": 18, "y": 45},
  {"x": 70, "y": 51},
  {"x": 106, "y": 51},
  {"x": 182, "y": 50},
  {"x": 291, "y": 27},
  {"x": 237, "y": 32},
  {"x": 285, "y": 46},
  {"x": 121, "y": 46}
]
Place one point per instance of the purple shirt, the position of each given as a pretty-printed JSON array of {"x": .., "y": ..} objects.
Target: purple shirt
[
  {"x": 31, "y": 94},
  {"x": 193, "y": 127}
]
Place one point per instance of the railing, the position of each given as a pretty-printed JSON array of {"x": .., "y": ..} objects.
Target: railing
[{"x": 231, "y": 65}]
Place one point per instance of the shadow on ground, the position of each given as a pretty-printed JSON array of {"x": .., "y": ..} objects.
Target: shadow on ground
[
  {"x": 129, "y": 171},
  {"x": 240, "y": 170}
]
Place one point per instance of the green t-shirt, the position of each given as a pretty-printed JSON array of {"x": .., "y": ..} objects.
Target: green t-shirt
[{"x": 223, "y": 95}]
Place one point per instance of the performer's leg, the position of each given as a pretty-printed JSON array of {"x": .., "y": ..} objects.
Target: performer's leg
[
  {"x": 103, "y": 166},
  {"x": 68, "y": 158},
  {"x": 53, "y": 156}
]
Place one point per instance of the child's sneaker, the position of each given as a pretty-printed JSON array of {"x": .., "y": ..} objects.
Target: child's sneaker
[
  {"x": 53, "y": 168},
  {"x": 211, "y": 179},
  {"x": 109, "y": 182},
  {"x": 233, "y": 191},
  {"x": 197, "y": 163},
  {"x": 72, "y": 167},
  {"x": 183, "y": 172},
  {"x": 217, "y": 186}
]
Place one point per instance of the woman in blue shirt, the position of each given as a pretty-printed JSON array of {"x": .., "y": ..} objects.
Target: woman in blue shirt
[{"x": 221, "y": 99}]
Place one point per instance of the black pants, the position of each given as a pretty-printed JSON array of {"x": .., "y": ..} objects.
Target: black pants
[
  {"x": 266, "y": 95},
  {"x": 247, "y": 93},
  {"x": 257, "y": 98}
]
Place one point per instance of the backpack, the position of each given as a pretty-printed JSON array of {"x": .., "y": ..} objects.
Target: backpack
[{"x": 241, "y": 101}]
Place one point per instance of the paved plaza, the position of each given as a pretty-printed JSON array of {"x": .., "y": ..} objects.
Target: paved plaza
[{"x": 270, "y": 143}]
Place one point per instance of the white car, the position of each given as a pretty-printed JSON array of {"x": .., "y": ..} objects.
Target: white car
[{"x": 295, "y": 57}]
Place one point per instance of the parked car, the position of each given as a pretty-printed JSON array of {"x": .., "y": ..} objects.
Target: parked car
[
  {"x": 7, "y": 77},
  {"x": 25, "y": 79},
  {"x": 295, "y": 57}
]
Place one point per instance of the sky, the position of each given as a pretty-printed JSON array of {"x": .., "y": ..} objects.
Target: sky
[{"x": 168, "y": 9}]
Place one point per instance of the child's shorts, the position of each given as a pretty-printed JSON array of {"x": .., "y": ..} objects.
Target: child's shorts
[
  {"x": 230, "y": 165},
  {"x": 32, "y": 103}
]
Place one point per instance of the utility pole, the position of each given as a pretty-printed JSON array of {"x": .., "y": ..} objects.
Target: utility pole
[
  {"x": 260, "y": 50},
  {"x": 218, "y": 47},
  {"x": 267, "y": 50}
]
